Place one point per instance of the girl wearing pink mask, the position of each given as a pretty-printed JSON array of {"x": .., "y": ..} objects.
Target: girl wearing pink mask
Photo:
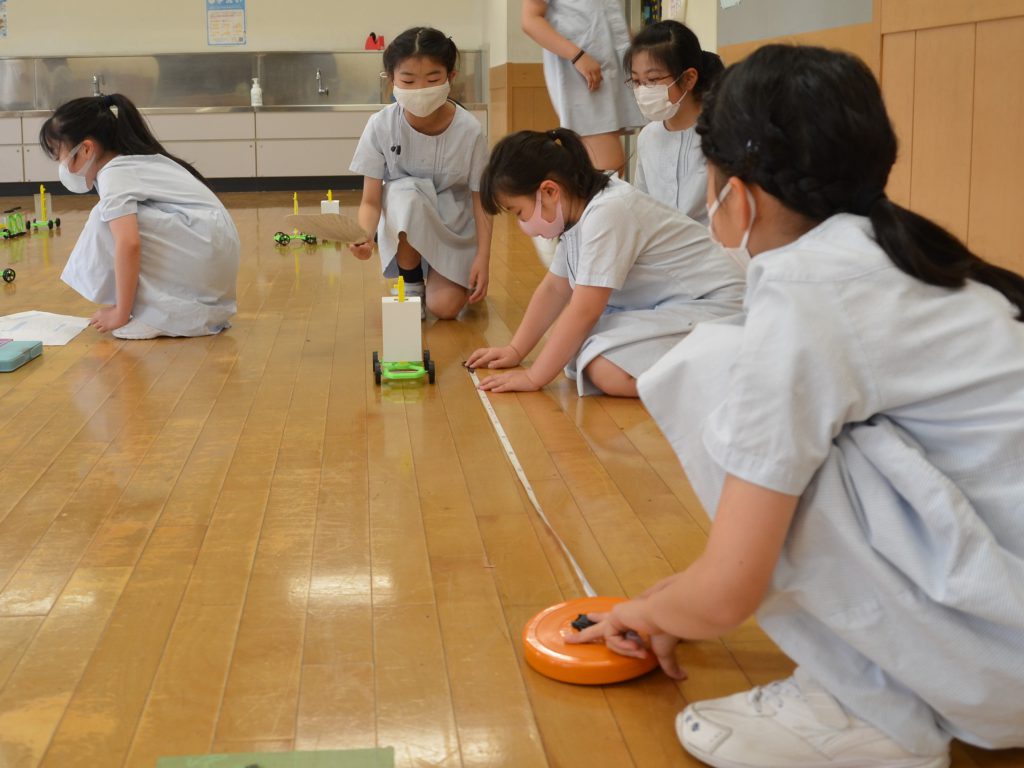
[
  {"x": 631, "y": 276},
  {"x": 421, "y": 160}
]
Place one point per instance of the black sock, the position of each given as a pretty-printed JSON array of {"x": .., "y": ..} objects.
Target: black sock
[{"x": 414, "y": 275}]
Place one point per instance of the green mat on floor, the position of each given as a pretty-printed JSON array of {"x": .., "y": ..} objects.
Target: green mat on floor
[{"x": 334, "y": 758}]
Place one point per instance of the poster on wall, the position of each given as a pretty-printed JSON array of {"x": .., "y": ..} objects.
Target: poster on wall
[
  {"x": 3, "y": 18},
  {"x": 225, "y": 22}
]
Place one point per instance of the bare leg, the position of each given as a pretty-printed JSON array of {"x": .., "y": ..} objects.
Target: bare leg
[
  {"x": 611, "y": 379},
  {"x": 408, "y": 257},
  {"x": 445, "y": 298},
  {"x": 606, "y": 151}
]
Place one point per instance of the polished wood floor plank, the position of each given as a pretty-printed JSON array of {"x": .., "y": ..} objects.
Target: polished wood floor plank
[{"x": 241, "y": 543}]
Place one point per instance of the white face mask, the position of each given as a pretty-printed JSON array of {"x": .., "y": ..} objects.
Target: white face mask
[
  {"x": 422, "y": 101},
  {"x": 740, "y": 254},
  {"x": 75, "y": 181},
  {"x": 654, "y": 102}
]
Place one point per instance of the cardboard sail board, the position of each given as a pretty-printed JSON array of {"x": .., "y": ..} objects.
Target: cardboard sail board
[
  {"x": 545, "y": 649},
  {"x": 336, "y": 227}
]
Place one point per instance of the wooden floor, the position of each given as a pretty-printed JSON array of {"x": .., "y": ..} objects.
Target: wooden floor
[{"x": 240, "y": 543}]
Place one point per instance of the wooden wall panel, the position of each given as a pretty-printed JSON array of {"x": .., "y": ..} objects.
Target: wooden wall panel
[
  {"x": 898, "y": 52},
  {"x": 903, "y": 15},
  {"x": 996, "y": 226},
  {"x": 519, "y": 100},
  {"x": 943, "y": 114}
]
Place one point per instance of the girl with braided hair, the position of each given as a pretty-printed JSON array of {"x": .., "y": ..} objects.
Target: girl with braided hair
[
  {"x": 159, "y": 247},
  {"x": 631, "y": 276},
  {"x": 859, "y": 442}
]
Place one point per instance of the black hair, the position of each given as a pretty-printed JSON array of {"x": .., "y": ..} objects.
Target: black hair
[
  {"x": 522, "y": 160},
  {"x": 675, "y": 46},
  {"x": 112, "y": 121},
  {"x": 421, "y": 41},
  {"x": 809, "y": 126}
]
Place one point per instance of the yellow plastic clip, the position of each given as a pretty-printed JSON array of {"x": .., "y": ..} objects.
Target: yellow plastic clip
[
  {"x": 401, "y": 288},
  {"x": 42, "y": 201}
]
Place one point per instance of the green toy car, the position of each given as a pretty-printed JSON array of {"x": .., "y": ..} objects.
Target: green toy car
[
  {"x": 13, "y": 223},
  {"x": 283, "y": 238},
  {"x": 403, "y": 370}
]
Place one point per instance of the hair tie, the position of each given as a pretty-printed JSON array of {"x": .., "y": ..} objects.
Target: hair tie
[
  {"x": 553, "y": 135},
  {"x": 107, "y": 102}
]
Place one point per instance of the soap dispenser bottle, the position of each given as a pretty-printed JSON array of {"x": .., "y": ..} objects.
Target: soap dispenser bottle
[{"x": 256, "y": 94}]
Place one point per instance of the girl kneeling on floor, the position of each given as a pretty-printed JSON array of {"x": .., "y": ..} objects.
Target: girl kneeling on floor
[
  {"x": 631, "y": 276},
  {"x": 859, "y": 442},
  {"x": 421, "y": 159},
  {"x": 159, "y": 246}
]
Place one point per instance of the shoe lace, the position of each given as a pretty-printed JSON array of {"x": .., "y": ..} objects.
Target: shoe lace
[{"x": 774, "y": 694}]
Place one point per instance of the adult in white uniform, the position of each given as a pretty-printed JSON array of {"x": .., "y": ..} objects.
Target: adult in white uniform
[
  {"x": 669, "y": 74},
  {"x": 631, "y": 277},
  {"x": 421, "y": 159},
  {"x": 584, "y": 42},
  {"x": 860, "y": 441},
  {"x": 159, "y": 246}
]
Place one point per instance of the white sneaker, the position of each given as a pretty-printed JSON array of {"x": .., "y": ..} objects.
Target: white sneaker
[
  {"x": 136, "y": 330},
  {"x": 418, "y": 289},
  {"x": 789, "y": 725},
  {"x": 546, "y": 248}
]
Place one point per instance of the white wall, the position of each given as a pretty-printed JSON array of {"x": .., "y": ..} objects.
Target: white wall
[
  {"x": 113, "y": 27},
  {"x": 763, "y": 19},
  {"x": 699, "y": 15}
]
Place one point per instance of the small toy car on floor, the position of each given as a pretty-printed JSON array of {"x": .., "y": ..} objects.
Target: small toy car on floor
[
  {"x": 13, "y": 223},
  {"x": 403, "y": 340},
  {"x": 404, "y": 370},
  {"x": 9, "y": 275},
  {"x": 43, "y": 222},
  {"x": 283, "y": 238}
]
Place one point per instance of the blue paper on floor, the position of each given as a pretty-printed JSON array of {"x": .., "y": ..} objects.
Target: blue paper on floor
[{"x": 333, "y": 758}]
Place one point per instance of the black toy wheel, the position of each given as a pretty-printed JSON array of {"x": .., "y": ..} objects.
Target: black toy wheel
[
  {"x": 9, "y": 275},
  {"x": 49, "y": 225},
  {"x": 430, "y": 372},
  {"x": 281, "y": 238},
  {"x": 376, "y": 358},
  {"x": 310, "y": 239},
  {"x": 376, "y": 373},
  {"x": 426, "y": 358},
  {"x": 56, "y": 222}
]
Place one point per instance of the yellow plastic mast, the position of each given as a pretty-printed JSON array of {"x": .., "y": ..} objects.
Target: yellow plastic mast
[
  {"x": 330, "y": 196},
  {"x": 295, "y": 209},
  {"x": 401, "y": 288},
  {"x": 42, "y": 200}
]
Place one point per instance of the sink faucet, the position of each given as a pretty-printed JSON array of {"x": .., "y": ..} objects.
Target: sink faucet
[
  {"x": 97, "y": 80},
  {"x": 320, "y": 85}
]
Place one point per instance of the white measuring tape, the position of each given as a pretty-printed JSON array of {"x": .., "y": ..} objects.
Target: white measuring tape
[{"x": 514, "y": 461}]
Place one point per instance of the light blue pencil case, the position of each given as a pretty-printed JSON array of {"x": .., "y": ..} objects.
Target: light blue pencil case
[{"x": 14, "y": 354}]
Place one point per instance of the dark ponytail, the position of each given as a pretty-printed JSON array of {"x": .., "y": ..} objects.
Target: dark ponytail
[
  {"x": 521, "y": 161},
  {"x": 809, "y": 127},
  {"x": 421, "y": 41},
  {"x": 112, "y": 121},
  {"x": 676, "y": 47}
]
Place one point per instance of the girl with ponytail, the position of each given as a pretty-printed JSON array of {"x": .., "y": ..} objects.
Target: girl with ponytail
[
  {"x": 630, "y": 277},
  {"x": 159, "y": 247},
  {"x": 859, "y": 442},
  {"x": 670, "y": 74}
]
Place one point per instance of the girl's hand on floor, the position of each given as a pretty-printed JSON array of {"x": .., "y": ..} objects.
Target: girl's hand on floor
[
  {"x": 362, "y": 251},
  {"x": 109, "y": 319},
  {"x": 494, "y": 357},
  {"x": 513, "y": 381}
]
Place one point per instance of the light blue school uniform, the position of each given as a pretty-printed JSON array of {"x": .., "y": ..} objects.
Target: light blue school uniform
[
  {"x": 598, "y": 27},
  {"x": 188, "y": 264},
  {"x": 665, "y": 273},
  {"x": 895, "y": 409},
  {"x": 429, "y": 183},
  {"x": 670, "y": 167}
]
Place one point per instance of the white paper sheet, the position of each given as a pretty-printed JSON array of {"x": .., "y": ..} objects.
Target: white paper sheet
[{"x": 53, "y": 330}]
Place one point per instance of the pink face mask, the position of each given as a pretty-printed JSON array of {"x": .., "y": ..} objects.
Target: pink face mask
[{"x": 537, "y": 226}]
